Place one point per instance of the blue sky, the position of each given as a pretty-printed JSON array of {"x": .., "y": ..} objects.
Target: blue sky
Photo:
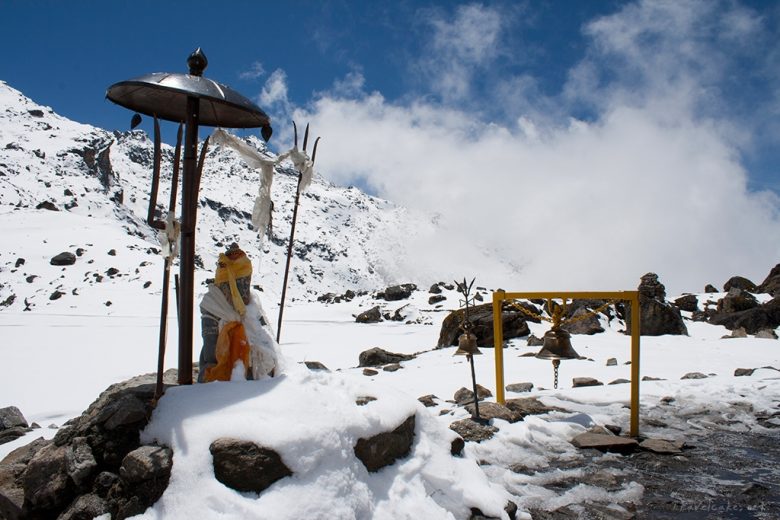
[{"x": 667, "y": 110}]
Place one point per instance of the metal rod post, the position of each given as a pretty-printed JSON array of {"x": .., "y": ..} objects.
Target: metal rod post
[
  {"x": 289, "y": 257},
  {"x": 474, "y": 385},
  {"x": 189, "y": 210}
]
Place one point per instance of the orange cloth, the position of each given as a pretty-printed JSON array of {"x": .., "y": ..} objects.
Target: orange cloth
[
  {"x": 232, "y": 345},
  {"x": 234, "y": 264}
]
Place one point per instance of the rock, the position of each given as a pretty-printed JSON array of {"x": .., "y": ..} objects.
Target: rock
[
  {"x": 398, "y": 292},
  {"x": 688, "y": 303},
  {"x": 766, "y": 334},
  {"x": 45, "y": 480},
  {"x": 404, "y": 313},
  {"x": 11, "y": 434},
  {"x": 377, "y": 357},
  {"x": 694, "y": 375},
  {"x": 369, "y": 372},
  {"x": 651, "y": 378},
  {"x": 47, "y": 205},
  {"x": 472, "y": 431},
  {"x": 740, "y": 372},
  {"x": 771, "y": 284},
  {"x": 736, "y": 300},
  {"x": 372, "y": 315},
  {"x": 481, "y": 317},
  {"x": 81, "y": 461},
  {"x": 364, "y": 400},
  {"x": 436, "y": 298},
  {"x": 464, "y": 395},
  {"x": 385, "y": 448},
  {"x": 435, "y": 289},
  {"x": 612, "y": 362},
  {"x": 490, "y": 410},
  {"x": 657, "y": 317},
  {"x": 662, "y": 446},
  {"x": 64, "y": 258},
  {"x": 533, "y": 341},
  {"x": 245, "y": 466},
  {"x": 620, "y": 381},
  {"x": 456, "y": 446},
  {"x": 530, "y": 406},
  {"x": 315, "y": 365},
  {"x": 85, "y": 507},
  {"x": 147, "y": 463},
  {"x": 601, "y": 442},
  {"x": 765, "y": 316},
  {"x": 11, "y": 468},
  {"x": 56, "y": 295},
  {"x": 10, "y": 417},
  {"x": 739, "y": 282},
  {"x": 428, "y": 400},
  {"x": 709, "y": 288},
  {"x": 739, "y": 332},
  {"x": 578, "y": 382},
  {"x": 589, "y": 325},
  {"x": 519, "y": 387}
]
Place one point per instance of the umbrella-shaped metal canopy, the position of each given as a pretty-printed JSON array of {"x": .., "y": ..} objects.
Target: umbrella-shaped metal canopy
[{"x": 165, "y": 94}]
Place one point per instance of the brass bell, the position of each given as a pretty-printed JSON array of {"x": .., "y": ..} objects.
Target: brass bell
[
  {"x": 467, "y": 345},
  {"x": 557, "y": 346}
]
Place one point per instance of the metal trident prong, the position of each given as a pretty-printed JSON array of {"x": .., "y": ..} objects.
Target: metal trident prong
[
  {"x": 295, "y": 131},
  {"x": 314, "y": 151},
  {"x": 306, "y": 137}
]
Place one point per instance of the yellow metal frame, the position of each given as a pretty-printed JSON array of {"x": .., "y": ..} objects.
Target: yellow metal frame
[{"x": 631, "y": 296}]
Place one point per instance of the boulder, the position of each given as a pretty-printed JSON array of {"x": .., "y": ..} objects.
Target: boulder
[
  {"x": 428, "y": 400},
  {"x": 11, "y": 469},
  {"x": 47, "y": 486},
  {"x": 694, "y": 375},
  {"x": 245, "y": 466},
  {"x": 372, "y": 315},
  {"x": 11, "y": 417},
  {"x": 583, "y": 322},
  {"x": 398, "y": 292},
  {"x": 464, "y": 395},
  {"x": 519, "y": 387},
  {"x": 472, "y": 431},
  {"x": 709, "y": 288},
  {"x": 740, "y": 372},
  {"x": 436, "y": 298},
  {"x": 315, "y": 365},
  {"x": 376, "y": 356},
  {"x": 771, "y": 284},
  {"x": 688, "y": 302},
  {"x": 143, "y": 477},
  {"x": 65, "y": 258},
  {"x": 490, "y": 410},
  {"x": 85, "y": 507},
  {"x": 602, "y": 442},
  {"x": 578, "y": 382},
  {"x": 739, "y": 282},
  {"x": 530, "y": 406},
  {"x": 481, "y": 317},
  {"x": 736, "y": 300},
  {"x": 435, "y": 289},
  {"x": 765, "y": 316},
  {"x": 612, "y": 362},
  {"x": 657, "y": 317},
  {"x": 383, "y": 449}
]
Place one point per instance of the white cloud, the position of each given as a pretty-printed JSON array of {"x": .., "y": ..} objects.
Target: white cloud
[
  {"x": 653, "y": 182},
  {"x": 255, "y": 71}
]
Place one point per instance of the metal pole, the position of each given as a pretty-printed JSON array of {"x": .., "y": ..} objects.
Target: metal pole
[
  {"x": 474, "y": 385},
  {"x": 189, "y": 209},
  {"x": 289, "y": 256}
]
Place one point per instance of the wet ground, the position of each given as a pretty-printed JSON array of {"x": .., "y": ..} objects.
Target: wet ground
[{"x": 721, "y": 475}]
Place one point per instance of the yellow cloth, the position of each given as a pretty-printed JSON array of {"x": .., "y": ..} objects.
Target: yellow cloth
[
  {"x": 228, "y": 269},
  {"x": 232, "y": 345}
]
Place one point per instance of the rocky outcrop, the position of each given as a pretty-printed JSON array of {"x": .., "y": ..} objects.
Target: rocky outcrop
[
  {"x": 383, "y": 449},
  {"x": 736, "y": 300},
  {"x": 12, "y": 424},
  {"x": 397, "y": 292},
  {"x": 688, "y": 303},
  {"x": 245, "y": 466},
  {"x": 372, "y": 315},
  {"x": 481, "y": 317},
  {"x": 753, "y": 320},
  {"x": 94, "y": 465},
  {"x": 657, "y": 316},
  {"x": 739, "y": 282},
  {"x": 771, "y": 284},
  {"x": 376, "y": 356}
]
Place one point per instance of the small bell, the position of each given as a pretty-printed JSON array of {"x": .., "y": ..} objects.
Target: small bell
[
  {"x": 467, "y": 345},
  {"x": 557, "y": 346}
]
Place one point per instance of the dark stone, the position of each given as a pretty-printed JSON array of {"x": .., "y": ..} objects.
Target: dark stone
[
  {"x": 376, "y": 356},
  {"x": 47, "y": 205},
  {"x": 147, "y": 463},
  {"x": 456, "y": 446},
  {"x": 481, "y": 317},
  {"x": 472, "y": 431},
  {"x": 372, "y": 315},
  {"x": 620, "y": 381},
  {"x": 530, "y": 406},
  {"x": 19, "y": 262},
  {"x": 709, "y": 288},
  {"x": 64, "y": 258},
  {"x": 147, "y": 284},
  {"x": 589, "y": 325},
  {"x": 428, "y": 400},
  {"x": 519, "y": 387},
  {"x": 651, "y": 378},
  {"x": 739, "y": 282},
  {"x": 11, "y": 434},
  {"x": 10, "y": 416},
  {"x": 657, "y": 317},
  {"x": 662, "y": 446},
  {"x": 694, "y": 375},
  {"x": 399, "y": 292},
  {"x": 56, "y": 295},
  {"x": 612, "y": 362},
  {"x": 688, "y": 303},
  {"x": 315, "y": 365},
  {"x": 112, "y": 271},
  {"x": 8, "y": 301},
  {"x": 601, "y": 442},
  {"x": 364, "y": 400},
  {"x": 85, "y": 507},
  {"x": 765, "y": 316},
  {"x": 578, "y": 382},
  {"x": 392, "y": 367},
  {"x": 771, "y": 284},
  {"x": 435, "y": 289},
  {"x": 464, "y": 395},
  {"x": 533, "y": 341},
  {"x": 245, "y": 466},
  {"x": 490, "y": 410},
  {"x": 45, "y": 480},
  {"x": 385, "y": 448},
  {"x": 736, "y": 300},
  {"x": 369, "y": 372},
  {"x": 112, "y": 252},
  {"x": 436, "y": 298}
]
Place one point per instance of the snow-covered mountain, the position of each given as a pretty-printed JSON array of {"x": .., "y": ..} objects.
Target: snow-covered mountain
[{"x": 56, "y": 173}]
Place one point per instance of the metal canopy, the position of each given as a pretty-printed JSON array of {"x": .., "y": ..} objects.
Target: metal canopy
[{"x": 165, "y": 94}]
